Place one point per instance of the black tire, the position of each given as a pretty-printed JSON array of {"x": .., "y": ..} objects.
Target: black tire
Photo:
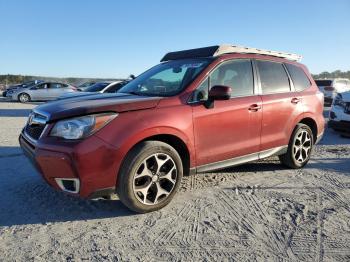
[
  {"x": 23, "y": 98},
  {"x": 4, "y": 93},
  {"x": 289, "y": 159},
  {"x": 133, "y": 162}
]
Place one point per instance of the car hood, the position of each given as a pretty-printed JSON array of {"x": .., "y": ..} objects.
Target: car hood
[
  {"x": 76, "y": 94},
  {"x": 346, "y": 96},
  {"x": 82, "y": 105}
]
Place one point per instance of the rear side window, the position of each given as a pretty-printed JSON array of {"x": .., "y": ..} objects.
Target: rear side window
[
  {"x": 300, "y": 80},
  {"x": 273, "y": 77}
]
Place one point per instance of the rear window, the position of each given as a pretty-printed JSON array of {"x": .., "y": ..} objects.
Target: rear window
[
  {"x": 299, "y": 78},
  {"x": 273, "y": 77},
  {"x": 323, "y": 82}
]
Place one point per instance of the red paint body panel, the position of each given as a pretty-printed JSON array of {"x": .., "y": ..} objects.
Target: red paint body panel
[{"x": 226, "y": 131}]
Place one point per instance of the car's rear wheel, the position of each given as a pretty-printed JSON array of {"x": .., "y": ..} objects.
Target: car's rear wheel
[
  {"x": 299, "y": 148},
  {"x": 23, "y": 98},
  {"x": 150, "y": 176}
]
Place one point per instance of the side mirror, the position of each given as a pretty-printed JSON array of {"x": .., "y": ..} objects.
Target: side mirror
[{"x": 218, "y": 92}]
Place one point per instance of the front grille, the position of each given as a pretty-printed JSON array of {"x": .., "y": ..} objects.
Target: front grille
[
  {"x": 34, "y": 131},
  {"x": 35, "y": 125}
]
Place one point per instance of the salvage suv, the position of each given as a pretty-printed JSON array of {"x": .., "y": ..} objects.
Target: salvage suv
[{"x": 198, "y": 110}]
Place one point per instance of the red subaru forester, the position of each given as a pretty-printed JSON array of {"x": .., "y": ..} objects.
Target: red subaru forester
[{"x": 198, "y": 110}]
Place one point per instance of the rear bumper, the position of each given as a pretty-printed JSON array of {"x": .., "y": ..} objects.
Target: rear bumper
[
  {"x": 92, "y": 165},
  {"x": 341, "y": 126}
]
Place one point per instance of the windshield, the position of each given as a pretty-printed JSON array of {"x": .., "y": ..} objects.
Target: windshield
[
  {"x": 166, "y": 79},
  {"x": 96, "y": 87}
]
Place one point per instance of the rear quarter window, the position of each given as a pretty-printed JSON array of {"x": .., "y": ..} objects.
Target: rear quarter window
[
  {"x": 273, "y": 77},
  {"x": 299, "y": 78}
]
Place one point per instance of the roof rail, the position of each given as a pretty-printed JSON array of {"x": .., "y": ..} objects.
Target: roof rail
[{"x": 226, "y": 49}]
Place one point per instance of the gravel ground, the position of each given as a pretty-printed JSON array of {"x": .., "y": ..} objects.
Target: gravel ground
[{"x": 255, "y": 212}]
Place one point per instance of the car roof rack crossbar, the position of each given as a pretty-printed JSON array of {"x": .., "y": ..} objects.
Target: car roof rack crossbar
[{"x": 213, "y": 51}]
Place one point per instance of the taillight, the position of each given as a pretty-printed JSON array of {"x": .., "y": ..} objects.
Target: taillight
[{"x": 329, "y": 88}]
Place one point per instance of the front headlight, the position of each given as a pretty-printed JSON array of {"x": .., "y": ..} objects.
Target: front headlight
[
  {"x": 338, "y": 101},
  {"x": 81, "y": 127}
]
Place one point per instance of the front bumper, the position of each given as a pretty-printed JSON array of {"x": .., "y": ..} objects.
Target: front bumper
[
  {"x": 91, "y": 163},
  {"x": 341, "y": 126}
]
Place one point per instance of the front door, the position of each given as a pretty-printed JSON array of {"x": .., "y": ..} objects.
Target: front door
[{"x": 232, "y": 127}]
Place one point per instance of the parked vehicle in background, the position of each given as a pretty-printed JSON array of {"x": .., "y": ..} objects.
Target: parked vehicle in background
[
  {"x": 85, "y": 85},
  {"x": 42, "y": 92},
  {"x": 140, "y": 141},
  {"x": 111, "y": 88},
  {"x": 11, "y": 89},
  {"x": 339, "y": 115},
  {"x": 330, "y": 87}
]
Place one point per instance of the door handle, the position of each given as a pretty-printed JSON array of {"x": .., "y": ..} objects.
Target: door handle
[
  {"x": 254, "y": 107},
  {"x": 295, "y": 100}
]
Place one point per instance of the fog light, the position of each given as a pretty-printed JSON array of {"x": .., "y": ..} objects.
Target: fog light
[
  {"x": 70, "y": 185},
  {"x": 332, "y": 115}
]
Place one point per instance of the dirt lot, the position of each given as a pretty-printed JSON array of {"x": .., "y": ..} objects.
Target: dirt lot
[{"x": 259, "y": 211}]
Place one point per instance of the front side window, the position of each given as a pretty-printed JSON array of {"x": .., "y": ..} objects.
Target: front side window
[
  {"x": 273, "y": 77},
  {"x": 42, "y": 86},
  {"x": 166, "y": 79},
  {"x": 237, "y": 74},
  {"x": 299, "y": 78}
]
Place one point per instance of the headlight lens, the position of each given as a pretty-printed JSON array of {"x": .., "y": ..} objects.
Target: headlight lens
[
  {"x": 81, "y": 127},
  {"x": 338, "y": 101}
]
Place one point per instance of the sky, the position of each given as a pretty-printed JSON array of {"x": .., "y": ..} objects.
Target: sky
[{"x": 112, "y": 39}]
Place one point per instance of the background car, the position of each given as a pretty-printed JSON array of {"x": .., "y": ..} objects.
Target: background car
[
  {"x": 101, "y": 87},
  {"x": 11, "y": 89},
  {"x": 42, "y": 92},
  {"x": 339, "y": 115},
  {"x": 330, "y": 87},
  {"x": 85, "y": 85}
]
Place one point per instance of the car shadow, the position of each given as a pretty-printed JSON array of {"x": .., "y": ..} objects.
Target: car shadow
[
  {"x": 341, "y": 165},
  {"x": 14, "y": 112},
  {"x": 27, "y": 199}
]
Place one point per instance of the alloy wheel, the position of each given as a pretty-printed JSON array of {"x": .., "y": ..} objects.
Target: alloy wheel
[
  {"x": 302, "y": 146},
  {"x": 155, "y": 179},
  {"x": 24, "y": 98}
]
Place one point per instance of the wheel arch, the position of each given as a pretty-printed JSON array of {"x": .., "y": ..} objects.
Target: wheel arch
[
  {"x": 23, "y": 92},
  {"x": 178, "y": 144},
  {"x": 310, "y": 122}
]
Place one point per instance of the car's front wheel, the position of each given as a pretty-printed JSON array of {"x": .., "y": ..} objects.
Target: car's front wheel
[
  {"x": 299, "y": 148},
  {"x": 23, "y": 98},
  {"x": 149, "y": 176}
]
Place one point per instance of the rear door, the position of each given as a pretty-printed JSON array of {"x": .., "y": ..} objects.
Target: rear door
[
  {"x": 54, "y": 91},
  {"x": 281, "y": 104},
  {"x": 232, "y": 127}
]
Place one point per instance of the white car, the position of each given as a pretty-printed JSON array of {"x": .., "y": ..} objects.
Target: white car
[
  {"x": 339, "y": 116},
  {"x": 330, "y": 87},
  {"x": 99, "y": 87}
]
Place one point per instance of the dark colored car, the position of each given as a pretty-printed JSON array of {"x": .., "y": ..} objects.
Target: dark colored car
[
  {"x": 85, "y": 85},
  {"x": 199, "y": 110}
]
